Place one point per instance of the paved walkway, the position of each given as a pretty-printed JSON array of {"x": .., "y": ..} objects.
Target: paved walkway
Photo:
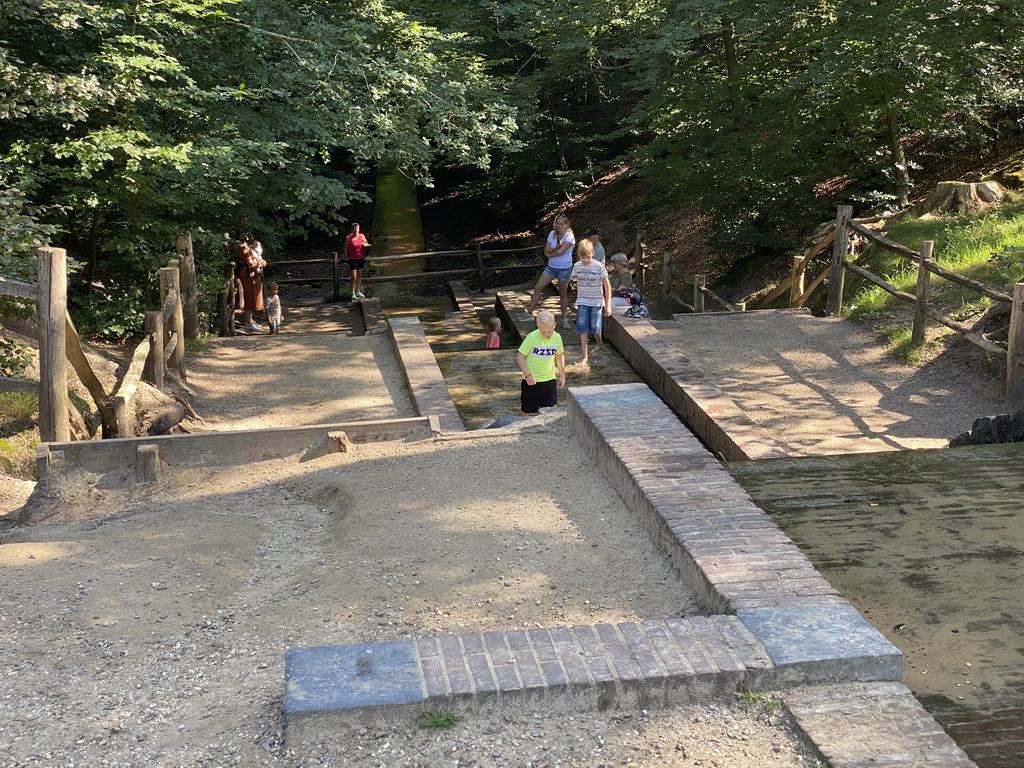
[{"x": 825, "y": 386}]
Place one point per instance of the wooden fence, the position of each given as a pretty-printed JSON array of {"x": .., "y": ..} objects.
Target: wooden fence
[
  {"x": 335, "y": 272},
  {"x": 166, "y": 330},
  {"x": 845, "y": 226},
  {"x": 701, "y": 293}
]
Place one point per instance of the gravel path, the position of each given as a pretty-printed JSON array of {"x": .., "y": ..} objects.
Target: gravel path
[{"x": 147, "y": 627}]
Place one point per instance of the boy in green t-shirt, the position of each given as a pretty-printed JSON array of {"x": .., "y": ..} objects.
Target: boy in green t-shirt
[{"x": 541, "y": 358}]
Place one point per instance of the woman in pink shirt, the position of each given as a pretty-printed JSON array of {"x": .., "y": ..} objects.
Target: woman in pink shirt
[{"x": 356, "y": 246}]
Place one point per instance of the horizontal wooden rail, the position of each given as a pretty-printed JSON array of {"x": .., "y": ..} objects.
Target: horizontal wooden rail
[
  {"x": 883, "y": 242},
  {"x": 17, "y": 288},
  {"x": 872, "y": 278},
  {"x": 24, "y": 386}
]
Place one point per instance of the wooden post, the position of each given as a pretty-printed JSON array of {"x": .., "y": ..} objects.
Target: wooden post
[
  {"x": 168, "y": 283},
  {"x": 923, "y": 293},
  {"x": 226, "y": 310},
  {"x": 51, "y": 307},
  {"x": 666, "y": 280},
  {"x": 1015, "y": 349},
  {"x": 336, "y": 278},
  {"x": 187, "y": 280},
  {"x": 698, "y": 292},
  {"x": 121, "y": 416},
  {"x": 147, "y": 464},
  {"x": 480, "y": 266},
  {"x": 837, "y": 273},
  {"x": 154, "y": 370},
  {"x": 796, "y": 285}
]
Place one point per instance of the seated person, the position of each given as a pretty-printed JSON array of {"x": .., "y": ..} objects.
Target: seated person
[{"x": 620, "y": 277}]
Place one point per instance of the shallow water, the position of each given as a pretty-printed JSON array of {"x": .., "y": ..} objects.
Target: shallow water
[{"x": 928, "y": 546}]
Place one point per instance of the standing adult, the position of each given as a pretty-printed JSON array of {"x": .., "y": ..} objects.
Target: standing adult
[
  {"x": 594, "y": 236},
  {"x": 558, "y": 250},
  {"x": 356, "y": 246},
  {"x": 249, "y": 266}
]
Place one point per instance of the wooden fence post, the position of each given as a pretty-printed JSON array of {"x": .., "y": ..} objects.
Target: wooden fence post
[
  {"x": 666, "y": 280},
  {"x": 168, "y": 283},
  {"x": 226, "y": 308},
  {"x": 51, "y": 308},
  {"x": 796, "y": 277},
  {"x": 480, "y": 266},
  {"x": 837, "y": 273},
  {"x": 336, "y": 278},
  {"x": 187, "y": 280},
  {"x": 698, "y": 292},
  {"x": 923, "y": 293},
  {"x": 153, "y": 373},
  {"x": 1015, "y": 349},
  {"x": 121, "y": 416}
]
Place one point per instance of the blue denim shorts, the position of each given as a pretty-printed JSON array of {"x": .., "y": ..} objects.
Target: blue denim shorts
[
  {"x": 561, "y": 275},
  {"x": 588, "y": 319}
]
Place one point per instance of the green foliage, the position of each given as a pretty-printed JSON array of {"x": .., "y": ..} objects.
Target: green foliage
[
  {"x": 113, "y": 314},
  {"x": 125, "y": 124},
  {"x": 985, "y": 248},
  {"x": 765, "y": 704},
  {"x": 439, "y": 719},
  {"x": 14, "y": 358}
]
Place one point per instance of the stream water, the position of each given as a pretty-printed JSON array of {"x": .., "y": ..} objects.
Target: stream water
[{"x": 928, "y": 545}]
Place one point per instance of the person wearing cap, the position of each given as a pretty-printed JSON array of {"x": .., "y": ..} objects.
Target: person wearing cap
[
  {"x": 620, "y": 277},
  {"x": 594, "y": 236}
]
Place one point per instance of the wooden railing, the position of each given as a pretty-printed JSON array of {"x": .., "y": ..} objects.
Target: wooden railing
[
  {"x": 923, "y": 311},
  {"x": 338, "y": 273},
  {"x": 669, "y": 298},
  {"x": 166, "y": 330}
]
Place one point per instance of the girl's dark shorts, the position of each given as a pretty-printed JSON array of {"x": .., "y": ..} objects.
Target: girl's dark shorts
[
  {"x": 543, "y": 394},
  {"x": 356, "y": 263}
]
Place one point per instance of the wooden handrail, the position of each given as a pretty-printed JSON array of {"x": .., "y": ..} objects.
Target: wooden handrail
[{"x": 17, "y": 288}]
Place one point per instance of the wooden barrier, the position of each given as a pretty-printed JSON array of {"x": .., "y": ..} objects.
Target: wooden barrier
[{"x": 923, "y": 311}]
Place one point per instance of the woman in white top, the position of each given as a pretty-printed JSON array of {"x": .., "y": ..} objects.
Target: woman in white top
[{"x": 558, "y": 251}]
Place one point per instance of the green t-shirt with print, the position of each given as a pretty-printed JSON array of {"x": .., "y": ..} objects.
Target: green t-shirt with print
[{"x": 540, "y": 354}]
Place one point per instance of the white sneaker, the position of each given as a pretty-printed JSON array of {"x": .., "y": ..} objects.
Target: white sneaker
[{"x": 253, "y": 326}]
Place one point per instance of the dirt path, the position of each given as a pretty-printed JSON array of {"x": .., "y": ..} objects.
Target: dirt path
[
  {"x": 149, "y": 627},
  {"x": 825, "y": 385}
]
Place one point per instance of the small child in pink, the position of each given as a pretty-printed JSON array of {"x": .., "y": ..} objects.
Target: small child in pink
[{"x": 493, "y": 340}]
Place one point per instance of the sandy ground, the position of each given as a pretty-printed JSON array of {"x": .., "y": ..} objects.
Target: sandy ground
[
  {"x": 148, "y": 626},
  {"x": 825, "y": 385}
]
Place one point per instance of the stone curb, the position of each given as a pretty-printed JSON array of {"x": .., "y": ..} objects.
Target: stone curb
[
  {"x": 223, "y": 449},
  {"x": 881, "y": 724},
  {"x": 426, "y": 384},
  {"x": 703, "y": 407}
]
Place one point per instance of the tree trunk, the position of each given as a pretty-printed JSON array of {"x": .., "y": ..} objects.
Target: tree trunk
[
  {"x": 899, "y": 159},
  {"x": 958, "y": 197}
]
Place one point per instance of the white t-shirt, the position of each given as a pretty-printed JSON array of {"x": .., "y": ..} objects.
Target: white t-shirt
[{"x": 565, "y": 260}]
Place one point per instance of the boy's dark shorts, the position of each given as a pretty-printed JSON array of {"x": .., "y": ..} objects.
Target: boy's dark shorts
[{"x": 543, "y": 394}]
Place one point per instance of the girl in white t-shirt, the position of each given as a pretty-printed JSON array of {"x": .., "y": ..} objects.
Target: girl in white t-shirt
[{"x": 558, "y": 250}]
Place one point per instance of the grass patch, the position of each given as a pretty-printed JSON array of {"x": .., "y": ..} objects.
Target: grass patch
[
  {"x": 763, "y": 703},
  {"x": 18, "y": 434},
  {"x": 986, "y": 247},
  {"x": 439, "y": 719}
]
